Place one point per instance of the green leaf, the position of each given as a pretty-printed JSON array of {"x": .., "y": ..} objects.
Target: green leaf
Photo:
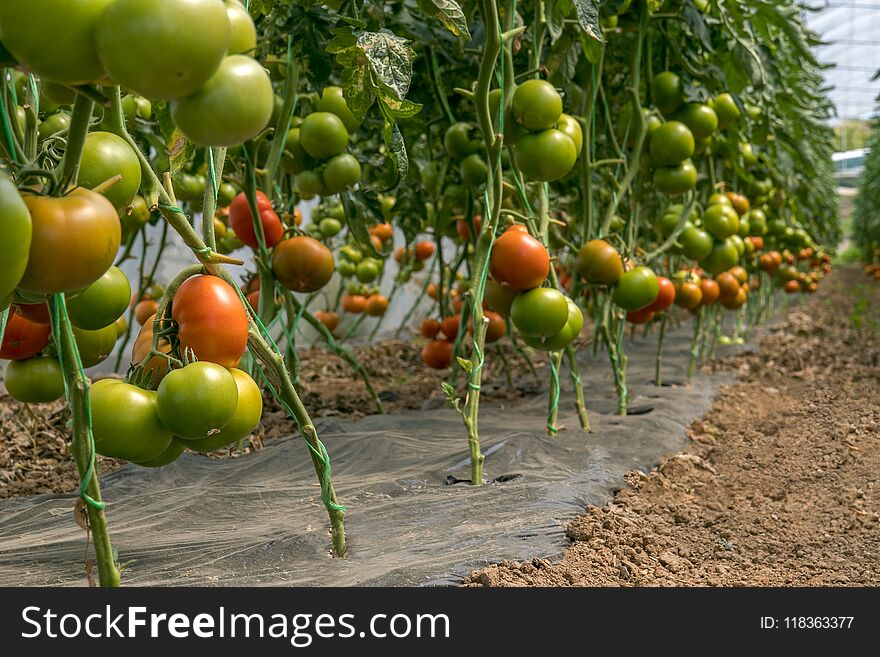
[
  {"x": 588, "y": 16},
  {"x": 465, "y": 364},
  {"x": 179, "y": 149},
  {"x": 449, "y": 13}
]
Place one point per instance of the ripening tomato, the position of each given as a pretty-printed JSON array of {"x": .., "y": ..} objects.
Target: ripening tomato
[
  {"x": 741, "y": 297},
  {"x": 383, "y": 231},
  {"x": 125, "y": 423},
  {"x": 792, "y": 287},
  {"x": 328, "y": 318},
  {"x": 639, "y": 317},
  {"x": 302, "y": 264},
  {"x": 449, "y": 326},
  {"x": 23, "y": 338},
  {"x": 377, "y": 304},
  {"x": 102, "y": 302},
  {"x": 665, "y": 295},
  {"x": 767, "y": 263},
  {"x": 688, "y": 295},
  {"x": 437, "y": 354},
  {"x": 241, "y": 221},
  {"x": 429, "y": 328},
  {"x": 197, "y": 401},
  {"x": 354, "y": 303},
  {"x": 15, "y": 237},
  {"x": 186, "y": 43},
  {"x": 234, "y": 105},
  {"x": 519, "y": 261},
  {"x": 145, "y": 309},
  {"x": 157, "y": 367},
  {"x": 728, "y": 286},
  {"x": 636, "y": 289},
  {"x": 423, "y": 250},
  {"x": 35, "y": 380},
  {"x": 246, "y": 418},
  {"x": 599, "y": 263},
  {"x": 711, "y": 291},
  {"x": 75, "y": 240},
  {"x": 212, "y": 321},
  {"x": 468, "y": 231}
]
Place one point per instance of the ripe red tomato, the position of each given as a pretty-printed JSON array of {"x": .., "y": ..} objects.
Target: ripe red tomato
[
  {"x": 36, "y": 312},
  {"x": 429, "y": 328},
  {"x": 642, "y": 316},
  {"x": 212, "y": 320},
  {"x": 665, "y": 296},
  {"x": 519, "y": 261},
  {"x": 23, "y": 338},
  {"x": 437, "y": 354},
  {"x": 468, "y": 231},
  {"x": 710, "y": 291},
  {"x": 424, "y": 250},
  {"x": 241, "y": 220},
  {"x": 383, "y": 231},
  {"x": 449, "y": 327},
  {"x": 496, "y": 328}
]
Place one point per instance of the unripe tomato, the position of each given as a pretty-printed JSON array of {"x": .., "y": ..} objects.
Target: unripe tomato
[
  {"x": 212, "y": 321},
  {"x": 539, "y": 313},
  {"x": 449, "y": 326},
  {"x": 519, "y": 261},
  {"x": 672, "y": 143},
  {"x": 536, "y": 105},
  {"x": 197, "y": 401},
  {"x": 724, "y": 255},
  {"x": 377, "y": 304},
  {"x": 241, "y": 221},
  {"x": 54, "y": 38},
  {"x": 688, "y": 295},
  {"x": 104, "y": 156},
  {"x": 234, "y": 105},
  {"x": 354, "y": 303},
  {"x": 243, "y": 33},
  {"x": 171, "y": 454},
  {"x": 186, "y": 42},
  {"x": 328, "y": 318},
  {"x": 599, "y": 263},
  {"x": 546, "y": 156},
  {"x": 302, "y": 264},
  {"x": 95, "y": 346},
  {"x": 696, "y": 243},
  {"x": 15, "y": 238},
  {"x": 676, "y": 180},
  {"x": 246, "y": 418},
  {"x": 639, "y": 317},
  {"x": 429, "y": 328},
  {"x": 34, "y": 381},
  {"x": 665, "y": 295},
  {"x": 721, "y": 221},
  {"x": 636, "y": 289},
  {"x": 23, "y": 338},
  {"x": 572, "y": 328},
  {"x": 367, "y": 270},
  {"x": 157, "y": 367},
  {"x": 458, "y": 140},
  {"x": 342, "y": 172},
  {"x": 700, "y": 119},
  {"x": 125, "y": 423},
  {"x": 498, "y": 297},
  {"x": 53, "y": 124},
  {"x": 332, "y": 101},
  {"x": 310, "y": 184},
  {"x": 102, "y": 302},
  {"x": 571, "y": 128},
  {"x": 329, "y": 227},
  {"x": 667, "y": 91},
  {"x": 710, "y": 290},
  {"x": 474, "y": 171},
  {"x": 437, "y": 354},
  {"x": 726, "y": 109},
  {"x": 323, "y": 135},
  {"x": 75, "y": 240}
]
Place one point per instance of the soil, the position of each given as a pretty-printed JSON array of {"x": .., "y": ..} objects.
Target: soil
[
  {"x": 778, "y": 485},
  {"x": 34, "y": 458}
]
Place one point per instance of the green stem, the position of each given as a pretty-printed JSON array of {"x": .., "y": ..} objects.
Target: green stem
[
  {"x": 658, "y": 380},
  {"x": 76, "y": 140}
]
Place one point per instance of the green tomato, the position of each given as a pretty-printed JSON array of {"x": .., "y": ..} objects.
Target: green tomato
[
  {"x": 351, "y": 253},
  {"x": 232, "y": 106},
  {"x": 724, "y": 255},
  {"x": 700, "y": 119},
  {"x": 536, "y": 105},
  {"x": 667, "y": 91},
  {"x": 15, "y": 237},
  {"x": 571, "y": 127},
  {"x": 329, "y": 227},
  {"x": 565, "y": 337},
  {"x": 309, "y": 184},
  {"x": 696, "y": 243},
  {"x": 726, "y": 110},
  {"x": 539, "y": 313},
  {"x": 125, "y": 423},
  {"x": 672, "y": 143},
  {"x": 458, "y": 141},
  {"x": 197, "y": 401},
  {"x": 295, "y": 159},
  {"x": 367, "y": 271},
  {"x": 333, "y": 101},
  {"x": 346, "y": 268},
  {"x": 95, "y": 346},
  {"x": 739, "y": 243},
  {"x": 226, "y": 194},
  {"x": 342, "y": 172},
  {"x": 676, "y": 180},
  {"x": 171, "y": 454},
  {"x": 499, "y": 297},
  {"x": 243, "y": 38},
  {"x": 104, "y": 156},
  {"x": 57, "y": 93},
  {"x": 721, "y": 221},
  {"x": 636, "y": 289},
  {"x": 323, "y": 135},
  {"x": 186, "y": 42},
  {"x": 546, "y": 156},
  {"x": 102, "y": 302},
  {"x": 55, "y": 38},
  {"x": 246, "y": 418},
  {"x": 53, "y": 124},
  {"x": 474, "y": 171},
  {"x": 35, "y": 380}
]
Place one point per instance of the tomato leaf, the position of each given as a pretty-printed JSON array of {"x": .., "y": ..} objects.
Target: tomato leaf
[
  {"x": 449, "y": 13},
  {"x": 588, "y": 16},
  {"x": 179, "y": 149}
]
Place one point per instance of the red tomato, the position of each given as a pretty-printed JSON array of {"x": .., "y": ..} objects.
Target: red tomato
[
  {"x": 467, "y": 231},
  {"x": 36, "y": 312},
  {"x": 212, "y": 320},
  {"x": 429, "y": 328},
  {"x": 449, "y": 327},
  {"x": 710, "y": 291},
  {"x": 424, "y": 250},
  {"x": 328, "y": 318},
  {"x": 642, "y": 316},
  {"x": 437, "y": 354},
  {"x": 23, "y": 338},
  {"x": 665, "y": 296},
  {"x": 383, "y": 231},
  {"x": 497, "y": 326},
  {"x": 145, "y": 309},
  {"x": 241, "y": 220}
]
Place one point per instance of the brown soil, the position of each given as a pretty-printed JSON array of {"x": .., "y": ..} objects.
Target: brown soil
[
  {"x": 779, "y": 485},
  {"x": 34, "y": 457}
]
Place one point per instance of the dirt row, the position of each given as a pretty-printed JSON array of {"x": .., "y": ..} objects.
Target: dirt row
[{"x": 779, "y": 485}]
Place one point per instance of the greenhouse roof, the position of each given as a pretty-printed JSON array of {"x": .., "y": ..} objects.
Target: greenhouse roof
[{"x": 851, "y": 30}]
